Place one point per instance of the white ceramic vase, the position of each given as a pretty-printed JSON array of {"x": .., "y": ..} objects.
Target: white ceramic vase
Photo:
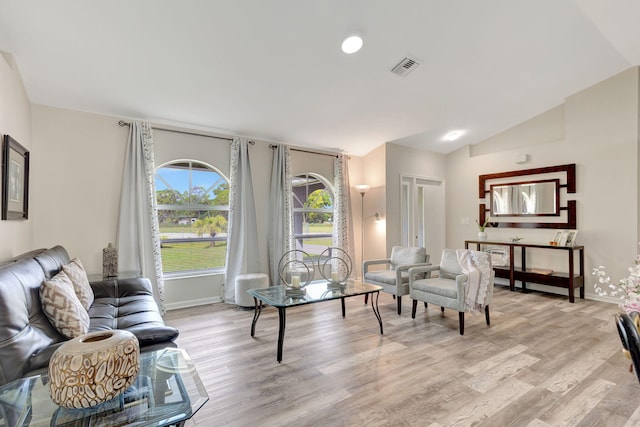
[
  {"x": 482, "y": 235},
  {"x": 93, "y": 368}
]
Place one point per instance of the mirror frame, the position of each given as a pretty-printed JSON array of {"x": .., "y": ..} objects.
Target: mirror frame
[{"x": 569, "y": 185}]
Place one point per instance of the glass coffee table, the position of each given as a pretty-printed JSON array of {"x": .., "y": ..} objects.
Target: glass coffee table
[
  {"x": 167, "y": 391},
  {"x": 282, "y": 298}
]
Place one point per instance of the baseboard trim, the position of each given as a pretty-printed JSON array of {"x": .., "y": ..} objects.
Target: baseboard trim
[{"x": 192, "y": 303}]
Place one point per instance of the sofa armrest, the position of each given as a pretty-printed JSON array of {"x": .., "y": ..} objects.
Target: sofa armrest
[{"x": 119, "y": 288}]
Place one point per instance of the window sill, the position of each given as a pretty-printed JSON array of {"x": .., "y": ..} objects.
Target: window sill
[{"x": 191, "y": 274}]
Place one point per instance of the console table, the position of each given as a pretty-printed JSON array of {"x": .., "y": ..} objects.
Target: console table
[{"x": 569, "y": 280}]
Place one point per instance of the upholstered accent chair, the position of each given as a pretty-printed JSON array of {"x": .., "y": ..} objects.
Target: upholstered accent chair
[
  {"x": 395, "y": 278},
  {"x": 450, "y": 288}
]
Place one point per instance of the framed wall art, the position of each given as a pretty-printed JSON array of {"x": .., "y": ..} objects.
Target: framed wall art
[{"x": 15, "y": 180}]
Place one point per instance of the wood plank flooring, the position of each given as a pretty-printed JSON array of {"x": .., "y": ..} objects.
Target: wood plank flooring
[{"x": 542, "y": 362}]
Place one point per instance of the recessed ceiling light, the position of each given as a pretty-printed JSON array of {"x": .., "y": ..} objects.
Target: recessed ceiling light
[
  {"x": 351, "y": 44},
  {"x": 453, "y": 135}
]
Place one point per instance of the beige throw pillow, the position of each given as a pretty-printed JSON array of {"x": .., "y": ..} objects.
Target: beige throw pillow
[
  {"x": 76, "y": 272},
  {"x": 62, "y": 307}
]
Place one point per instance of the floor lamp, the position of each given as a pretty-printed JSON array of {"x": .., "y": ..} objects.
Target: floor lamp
[{"x": 362, "y": 189}]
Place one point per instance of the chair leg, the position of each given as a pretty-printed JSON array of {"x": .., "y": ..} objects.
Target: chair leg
[
  {"x": 461, "y": 319},
  {"x": 486, "y": 315},
  {"x": 366, "y": 299},
  {"x": 425, "y": 305},
  {"x": 413, "y": 308},
  {"x": 399, "y": 304}
]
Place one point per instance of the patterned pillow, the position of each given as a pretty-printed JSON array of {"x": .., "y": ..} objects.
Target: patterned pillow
[
  {"x": 77, "y": 274},
  {"x": 62, "y": 307}
]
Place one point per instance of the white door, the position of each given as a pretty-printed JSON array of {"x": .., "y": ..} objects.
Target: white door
[{"x": 422, "y": 213}]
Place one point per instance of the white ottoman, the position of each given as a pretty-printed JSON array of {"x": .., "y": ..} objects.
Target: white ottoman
[{"x": 244, "y": 282}]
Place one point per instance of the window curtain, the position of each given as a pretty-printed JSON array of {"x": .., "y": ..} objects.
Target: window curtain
[
  {"x": 280, "y": 211},
  {"x": 242, "y": 243},
  {"x": 342, "y": 221},
  {"x": 138, "y": 239}
]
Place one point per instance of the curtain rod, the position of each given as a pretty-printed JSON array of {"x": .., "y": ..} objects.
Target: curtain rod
[
  {"x": 273, "y": 146},
  {"x": 123, "y": 123}
]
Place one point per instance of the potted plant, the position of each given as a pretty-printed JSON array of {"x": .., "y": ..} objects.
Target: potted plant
[{"x": 482, "y": 235}]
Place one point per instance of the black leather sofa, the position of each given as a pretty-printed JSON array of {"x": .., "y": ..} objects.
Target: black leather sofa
[{"x": 28, "y": 339}]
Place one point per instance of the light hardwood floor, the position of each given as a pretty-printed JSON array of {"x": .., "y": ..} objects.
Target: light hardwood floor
[{"x": 542, "y": 362}]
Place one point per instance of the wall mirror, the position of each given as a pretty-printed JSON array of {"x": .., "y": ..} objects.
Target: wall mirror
[{"x": 529, "y": 198}]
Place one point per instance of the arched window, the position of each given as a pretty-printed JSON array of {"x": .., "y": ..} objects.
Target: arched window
[
  {"x": 193, "y": 210},
  {"x": 312, "y": 213}
]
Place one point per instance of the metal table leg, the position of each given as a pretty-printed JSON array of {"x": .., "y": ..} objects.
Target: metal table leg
[
  {"x": 256, "y": 315},
  {"x": 343, "y": 310},
  {"x": 376, "y": 311},
  {"x": 282, "y": 319}
]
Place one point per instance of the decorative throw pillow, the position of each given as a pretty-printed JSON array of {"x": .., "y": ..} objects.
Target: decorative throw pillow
[
  {"x": 62, "y": 307},
  {"x": 76, "y": 272}
]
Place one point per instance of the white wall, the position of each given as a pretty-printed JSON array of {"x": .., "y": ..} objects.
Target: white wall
[
  {"x": 597, "y": 129},
  {"x": 15, "y": 120},
  {"x": 77, "y": 174}
]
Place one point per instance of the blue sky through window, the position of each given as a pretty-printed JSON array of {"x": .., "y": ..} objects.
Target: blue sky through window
[{"x": 179, "y": 179}]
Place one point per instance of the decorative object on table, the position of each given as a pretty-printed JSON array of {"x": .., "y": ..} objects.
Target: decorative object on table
[
  {"x": 627, "y": 289},
  {"x": 335, "y": 266},
  {"x": 296, "y": 271},
  {"x": 516, "y": 239},
  {"x": 557, "y": 238},
  {"x": 15, "y": 180},
  {"x": 109, "y": 261},
  {"x": 482, "y": 235},
  {"x": 93, "y": 368},
  {"x": 570, "y": 237},
  {"x": 499, "y": 256}
]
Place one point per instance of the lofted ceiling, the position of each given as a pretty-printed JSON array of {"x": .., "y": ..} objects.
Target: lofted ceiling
[{"x": 273, "y": 69}]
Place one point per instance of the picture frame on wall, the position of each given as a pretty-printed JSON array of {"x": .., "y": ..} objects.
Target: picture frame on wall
[{"x": 15, "y": 180}]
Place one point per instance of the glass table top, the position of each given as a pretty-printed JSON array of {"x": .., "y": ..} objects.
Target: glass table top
[
  {"x": 167, "y": 391},
  {"x": 280, "y": 296}
]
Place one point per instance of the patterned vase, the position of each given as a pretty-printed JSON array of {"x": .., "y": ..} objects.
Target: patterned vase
[
  {"x": 93, "y": 368},
  {"x": 109, "y": 261}
]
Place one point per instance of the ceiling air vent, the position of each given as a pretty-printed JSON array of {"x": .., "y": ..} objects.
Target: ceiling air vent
[{"x": 405, "y": 66}]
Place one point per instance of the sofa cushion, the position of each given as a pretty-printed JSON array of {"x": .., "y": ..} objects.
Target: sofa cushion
[
  {"x": 62, "y": 307},
  {"x": 76, "y": 272}
]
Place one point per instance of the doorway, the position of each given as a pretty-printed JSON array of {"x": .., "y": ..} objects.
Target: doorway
[{"x": 422, "y": 214}]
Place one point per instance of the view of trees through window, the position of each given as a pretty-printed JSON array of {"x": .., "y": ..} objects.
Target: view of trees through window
[
  {"x": 193, "y": 210},
  {"x": 312, "y": 213}
]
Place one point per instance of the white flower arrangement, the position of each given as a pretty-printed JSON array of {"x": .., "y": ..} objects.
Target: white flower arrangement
[{"x": 627, "y": 289}]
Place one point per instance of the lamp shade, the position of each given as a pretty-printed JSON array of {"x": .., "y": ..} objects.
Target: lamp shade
[{"x": 362, "y": 188}]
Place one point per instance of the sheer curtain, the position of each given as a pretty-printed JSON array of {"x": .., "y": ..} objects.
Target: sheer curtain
[
  {"x": 242, "y": 244},
  {"x": 342, "y": 221},
  {"x": 280, "y": 211},
  {"x": 138, "y": 239}
]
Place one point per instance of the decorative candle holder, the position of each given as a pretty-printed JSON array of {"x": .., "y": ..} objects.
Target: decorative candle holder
[
  {"x": 336, "y": 266},
  {"x": 296, "y": 271}
]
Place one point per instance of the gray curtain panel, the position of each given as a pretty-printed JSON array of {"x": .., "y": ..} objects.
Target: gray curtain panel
[
  {"x": 342, "y": 221},
  {"x": 138, "y": 239},
  {"x": 280, "y": 236},
  {"x": 243, "y": 255}
]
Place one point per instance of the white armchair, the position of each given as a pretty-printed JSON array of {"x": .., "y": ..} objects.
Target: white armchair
[
  {"x": 451, "y": 289},
  {"x": 395, "y": 278}
]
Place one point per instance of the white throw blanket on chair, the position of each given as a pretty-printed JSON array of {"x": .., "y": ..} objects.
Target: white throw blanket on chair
[{"x": 476, "y": 266}]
